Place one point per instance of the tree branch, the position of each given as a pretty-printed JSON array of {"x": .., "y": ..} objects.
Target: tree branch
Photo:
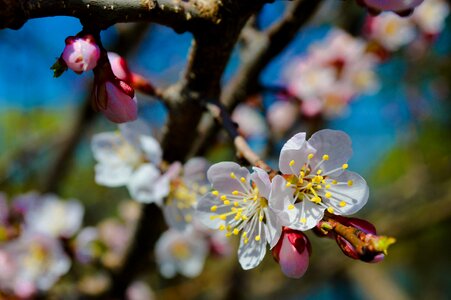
[{"x": 178, "y": 14}]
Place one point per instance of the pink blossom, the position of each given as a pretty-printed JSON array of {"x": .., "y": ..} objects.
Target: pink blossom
[
  {"x": 81, "y": 54},
  {"x": 402, "y": 7},
  {"x": 292, "y": 252}
]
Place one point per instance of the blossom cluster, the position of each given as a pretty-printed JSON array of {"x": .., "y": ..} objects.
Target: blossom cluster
[
  {"x": 34, "y": 230},
  {"x": 131, "y": 157},
  {"x": 332, "y": 73},
  {"x": 391, "y": 32},
  {"x": 260, "y": 210}
]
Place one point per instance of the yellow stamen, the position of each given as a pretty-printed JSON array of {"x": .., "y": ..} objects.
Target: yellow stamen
[
  {"x": 345, "y": 166},
  {"x": 215, "y": 193},
  {"x": 342, "y": 204},
  {"x": 328, "y": 195},
  {"x": 303, "y": 220},
  {"x": 292, "y": 163},
  {"x": 291, "y": 206},
  {"x": 310, "y": 156},
  {"x": 330, "y": 209},
  {"x": 350, "y": 182},
  {"x": 232, "y": 175},
  {"x": 257, "y": 238},
  {"x": 236, "y": 231},
  {"x": 213, "y": 208},
  {"x": 325, "y": 157}
]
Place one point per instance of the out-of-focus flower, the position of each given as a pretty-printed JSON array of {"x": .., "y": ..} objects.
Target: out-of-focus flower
[
  {"x": 391, "y": 31},
  {"x": 315, "y": 179},
  {"x": 87, "y": 245},
  {"x": 55, "y": 217},
  {"x": 281, "y": 116},
  {"x": 81, "y": 53},
  {"x": 139, "y": 290},
  {"x": 31, "y": 263},
  {"x": 115, "y": 236},
  {"x": 332, "y": 73},
  {"x": 401, "y": 7},
  {"x": 130, "y": 157},
  {"x": 292, "y": 252},
  {"x": 181, "y": 252},
  {"x": 187, "y": 185},
  {"x": 250, "y": 121},
  {"x": 239, "y": 205},
  {"x": 430, "y": 16}
]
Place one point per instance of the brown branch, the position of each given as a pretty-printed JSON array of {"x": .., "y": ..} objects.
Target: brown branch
[
  {"x": 180, "y": 15},
  {"x": 261, "y": 48}
]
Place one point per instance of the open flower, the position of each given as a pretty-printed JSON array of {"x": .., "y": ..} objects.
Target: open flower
[
  {"x": 187, "y": 185},
  {"x": 430, "y": 16},
  {"x": 55, "y": 217},
  {"x": 238, "y": 205},
  {"x": 315, "y": 178},
  {"x": 391, "y": 31},
  {"x": 181, "y": 252},
  {"x": 32, "y": 263},
  {"x": 130, "y": 157}
]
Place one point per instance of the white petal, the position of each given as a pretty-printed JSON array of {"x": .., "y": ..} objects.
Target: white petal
[
  {"x": 219, "y": 176},
  {"x": 204, "y": 213},
  {"x": 250, "y": 254},
  {"x": 312, "y": 213},
  {"x": 105, "y": 147},
  {"x": 280, "y": 198},
  {"x": 355, "y": 196},
  {"x": 132, "y": 131},
  {"x": 113, "y": 175},
  {"x": 177, "y": 218},
  {"x": 261, "y": 179},
  {"x": 296, "y": 149},
  {"x": 151, "y": 148},
  {"x": 273, "y": 229},
  {"x": 195, "y": 170},
  {"x": 147, "y": 186},
  {"x": 334, "y": 143}
]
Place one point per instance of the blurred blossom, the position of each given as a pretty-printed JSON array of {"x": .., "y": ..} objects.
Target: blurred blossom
[
  {"x": 391, "y": 31},
  {"x": 332, "y": 73},
  {"x": 181, "y": 252},
  {"x": 238, "y": 205},
  {"x": 87, "y": 245},
  {"x": 115, "y": 236},
  {"x": 119, "y": 66},
  {"x": 31, "y": 263},
  {"x": 81, "y": 53},
  {"x": 187, "y": 185},
  {"x": 139, "y": 290},
  {"x": 55, "y": 217},
  {"x": 281, "y": 116},
  {"x": 130, "y": 157},
  {"x": 430, "y": 16},
  {"x": 315, "y": 178},
  {"x": 250, "y": 121}
]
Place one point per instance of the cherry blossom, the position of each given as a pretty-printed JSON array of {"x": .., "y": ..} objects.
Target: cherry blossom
[
  {"x": 430, "y": 16},
  {"x": 181, "y": 252},
  {"x": 238, "y": 205},
  {"x": 315, "y": 179}
]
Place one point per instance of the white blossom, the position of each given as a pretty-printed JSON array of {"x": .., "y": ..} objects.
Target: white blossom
[
  {"x": 238, "y": 205},
  {"x": 315, "y": 178}
]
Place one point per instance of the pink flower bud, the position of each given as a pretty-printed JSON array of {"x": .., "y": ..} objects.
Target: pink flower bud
[
  {"x": 292, "y": 252},
  {"x": 401, "y": 7},
  {"x": 81, "y": 53},
  {"x": 119, "y": 66},
  {"x": 348, "y": 249},
  {"x": 121, "y": 104}
]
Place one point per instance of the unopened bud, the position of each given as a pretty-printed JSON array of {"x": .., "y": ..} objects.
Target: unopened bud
[
  {"x": 292, "y": 252},
  {"x": 401, "y": 7},
  {"x": 121, "y": 104},
  {"x": 81, "y": 54}
]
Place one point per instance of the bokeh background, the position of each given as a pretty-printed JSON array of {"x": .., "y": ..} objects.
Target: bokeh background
[{"x": 401, "y": 139}]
